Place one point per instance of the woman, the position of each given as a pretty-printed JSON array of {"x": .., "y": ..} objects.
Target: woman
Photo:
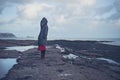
[{"x": 42, "y": 38}]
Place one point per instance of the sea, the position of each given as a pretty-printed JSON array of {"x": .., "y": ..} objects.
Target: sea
[{"x": 110, "y": 41}]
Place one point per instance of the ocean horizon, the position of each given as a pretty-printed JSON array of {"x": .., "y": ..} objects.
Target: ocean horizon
[{"x": 111, "y": 41}]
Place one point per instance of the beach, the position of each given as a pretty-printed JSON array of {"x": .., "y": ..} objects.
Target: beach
[{"x": 65, "y": 60}]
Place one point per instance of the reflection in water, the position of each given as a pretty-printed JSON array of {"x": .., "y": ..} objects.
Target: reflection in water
[
  {"x": 20, "y": 48},
  {"x": 5, "y": 65},
  {"x": 116, "y": 43},
  {"x": 109, "y": 60}
]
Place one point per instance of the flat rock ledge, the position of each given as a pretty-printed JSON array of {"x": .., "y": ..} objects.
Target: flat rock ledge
[{"x": 55, "y": 67}]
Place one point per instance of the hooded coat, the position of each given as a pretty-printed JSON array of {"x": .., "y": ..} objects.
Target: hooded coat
[{"x": 42, "y": 38}]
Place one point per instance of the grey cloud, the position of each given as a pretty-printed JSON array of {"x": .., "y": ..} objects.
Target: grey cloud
[
  {"x": 15, "y": 1},
  {"x": 106, "y": 9},
  {"x": 3, "y": 5},
  {"x": 116, "y": 16},
  {"x": 1, "y": 8},
  {"x": 117, "y": 5},
  {"x": 103, "y": 10},
  {"x": 8, "y": 21},
  {"x": 4, "y": 2}
]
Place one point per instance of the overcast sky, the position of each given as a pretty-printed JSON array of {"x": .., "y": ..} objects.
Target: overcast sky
[{"x": 66, "y": 18}]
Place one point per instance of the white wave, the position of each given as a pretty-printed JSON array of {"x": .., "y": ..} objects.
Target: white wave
[
  {"x": 61, "y": 49},
  {"x": 70, "y": 56}
]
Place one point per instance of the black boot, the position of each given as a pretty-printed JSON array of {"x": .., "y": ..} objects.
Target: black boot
[{"x": 43, "y": 54}]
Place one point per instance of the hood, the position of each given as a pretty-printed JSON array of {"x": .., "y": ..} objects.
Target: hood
[{"x": 43, "y": 22}]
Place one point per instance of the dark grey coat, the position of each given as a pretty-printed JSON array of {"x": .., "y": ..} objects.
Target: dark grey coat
[{"x": 42, "y": 38}]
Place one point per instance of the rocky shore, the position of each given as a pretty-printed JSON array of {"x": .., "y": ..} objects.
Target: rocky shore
[{"x": 65, "y": 60}]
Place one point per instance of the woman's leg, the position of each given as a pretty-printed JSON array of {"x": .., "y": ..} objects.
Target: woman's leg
[{"x": 43, "y": 54}]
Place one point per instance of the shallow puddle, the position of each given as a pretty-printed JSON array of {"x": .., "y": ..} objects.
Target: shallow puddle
[
  {"x": 116, "y": 43},
  {"x": 108, "y": 60},
  {"x": 6, "y": 65},
  {"x": 23, "y": 48},
  {"x": 20, "y": 48}
]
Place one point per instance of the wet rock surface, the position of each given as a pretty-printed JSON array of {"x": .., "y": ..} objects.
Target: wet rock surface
[{"x": 54, "y": 67}]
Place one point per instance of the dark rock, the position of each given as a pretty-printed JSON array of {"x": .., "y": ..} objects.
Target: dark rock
[
  {"x": 26, "y": 77},
  {"x": 31, "y": 67},
  {"x": 60, "y": 70},
  {"x": 7, "y": 35}
]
